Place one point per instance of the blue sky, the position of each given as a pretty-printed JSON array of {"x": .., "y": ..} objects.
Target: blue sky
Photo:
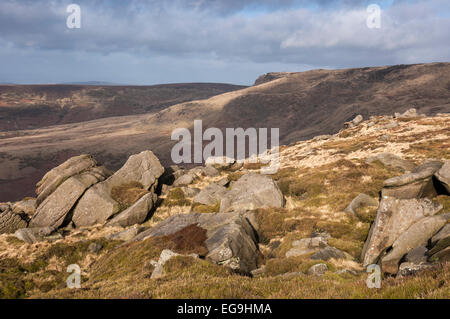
[{"x": 233, "y": 41}]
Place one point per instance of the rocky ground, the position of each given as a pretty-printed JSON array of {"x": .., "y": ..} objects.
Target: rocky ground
[{"x": 377, "y": 192}]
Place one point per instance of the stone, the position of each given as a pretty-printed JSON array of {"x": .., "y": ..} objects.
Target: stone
[
  {"x": 170, "y": 174},
  {"x": 409, "y": 268},
  {"x": 10, "y": 221},
  {"x": 410, "y": 113},
  {"x": 443, "y": 176},
  {"x": 327, "y": 253},
  {"x": 317, "y": 269},
  {"x": 356, "y": 121},
  {"x": 56, "y": 176},
  {"x": 165, "y": 256},
  {"x": 223, "y": 181},
  {"x": 184, "y": 180},
  {"x": 347, "y": 271},
  {"x": 394, "y": 217},
  {"x": 27, "y": 206},
  {"x": 259, "y": 271},
  {"x": 231, "y": 239},
  {"x": 416, "y": 235},
  {"x": 306, "y": 246},
  {"x": 441, "y": 255},
  {"x": 208, "y": 171},
  {"x": 417, "y": 255},
  {"x": 250, "y": 192},
  {"x": 96, "y": 205},
  {"x": 441, "y": 234},
  {"x": 94, "y": 248},
  {"x": 190, "y": 191},
  {"x": 221, "y": 162},
  {"x": 210, "y": 195},
  {"x": 127, "y": 234},
  {"x": 33, "y": 235},
  {"x": 135, "y": 214},
  {"x": 392, "y": 160},
  {"x": 362, "y": 200},
  {"x": 417, "y": 184},
  {"x": 54, "y": 210}
]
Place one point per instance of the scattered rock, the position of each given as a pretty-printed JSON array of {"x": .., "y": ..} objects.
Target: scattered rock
[
  {"x": 127, "y": 234},
  {"x": 441, "y": 234},
  {"x": 165, "y": 256},
  {"x": 306, "y": 246},
  {"x": 34, "y": 235},
  {"x": 259, "y": 271},
  {"x": 250, "y": 192},
  {"x": 392, "y": 160},
  {"x": 221, "y": 162},
  {"x": 208, "y": 171},
  {"x": 356, "y": 121},
  {"x": 443, "y": 175},
  {"x": 27, "y": 206},
  {"x": 411, "y": 113},
  {"x": 10, "y": 221},
  {"x": 408, "y": 268},
  {"x": 417, "y": 255},
  {"x": 417, "y": 184},
  {"x": 94, "y": 248},
  {"x": 394, "y": 217},
  {"x": 210, "y": 195},
  {"x": 347, "y": 271},
  {"x": 230, "y": 239},
  {"x": 317, "y": 270},
  {"x": 190, "y": 191},
  {"x": 362, "y": 200},
  {"x": 416, "y": 235},
  {"x": 223, "y": 181},
  {"x": 442, "y": 255},
  {"x": 137, "y": 213},
  {"x": 184, "y": 180},
  {"x": 327, "y": 253},
  {"x": 96, "y": 205}
]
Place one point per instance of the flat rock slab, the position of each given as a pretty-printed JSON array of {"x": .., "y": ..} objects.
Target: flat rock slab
[
  {"x": 230, "y": 239},
  {"x": 392, "y": 160}
]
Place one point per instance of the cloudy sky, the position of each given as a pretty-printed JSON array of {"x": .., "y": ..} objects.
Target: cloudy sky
[{"x": 233, "y": 41}]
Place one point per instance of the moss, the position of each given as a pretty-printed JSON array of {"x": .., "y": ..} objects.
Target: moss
[
  {"x": 366, "y": 214},
  {"x": 206, "y": 209},
  {"x": 128, "y": 194},
  {"x": 189, "y": 240},
  {"x": 232, "y": 177},
  {"x": 352, "y": 247},
  {"x": 176, "y": 197},
  {"x": 445, "y": 202}
]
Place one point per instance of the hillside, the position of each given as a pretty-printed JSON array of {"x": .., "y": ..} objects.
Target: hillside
[
  {"x": 35, "y": 106},
  {"x": 226, "y": 231},
  {"x": 302, "y": 105}
]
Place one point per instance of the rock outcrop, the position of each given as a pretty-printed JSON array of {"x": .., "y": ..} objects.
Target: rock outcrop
[
  {"x": 210, "y": 195},
  {"x": 362, "y": 200},
  {"x": 443, "y": 176},
  {"x": 97, "y": 205},
  {"x": 392, "y": 160},
  {"x": 417, "y": 184},
  {"x": 11, "y": 221},
  {"x": 231, "y": 240},
  {"x": 393, "y": 218}
]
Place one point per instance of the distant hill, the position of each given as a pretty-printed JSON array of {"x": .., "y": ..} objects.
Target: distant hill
[
  {"x": 301, "y": 105},
  {"x": 36, "y": 106}
]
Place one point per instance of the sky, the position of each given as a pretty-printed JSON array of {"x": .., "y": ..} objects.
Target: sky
[{"x": 228, "y": 41}]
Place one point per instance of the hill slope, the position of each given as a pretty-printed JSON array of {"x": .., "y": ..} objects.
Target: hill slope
[{"x": 302, "y": 105}]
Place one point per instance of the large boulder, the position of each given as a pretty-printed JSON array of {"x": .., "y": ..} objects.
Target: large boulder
[
  {"x": 417, "y": 184},
  {"x": 392, "y": 160},
  {"x": 137, "y": 213},
  {"x": 27, "y": 206},
  {"x": 210, "y": 195},
  {"x": 54, "y": 210},
  {"x": 250, "y": 192},
  {"x": 415, "y": 236},
  {"x": 231, "y": 240},
  {"x": 443, "y": 176},
  {"x": 97, "y": 205},
  {"x": 11, "y": 221},
  {"x": 394, "y": 217},
  {"x": 59, "y": 174}
]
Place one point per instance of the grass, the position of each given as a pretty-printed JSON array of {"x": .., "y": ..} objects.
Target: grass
[
  {"x": 176, "y": 197},
  {"x": 128, "y": 194},
  {"x": 207, "y": 209}
]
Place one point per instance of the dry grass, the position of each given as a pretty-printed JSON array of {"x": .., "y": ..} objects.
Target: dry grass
[{"x": 128, "y": 194}]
